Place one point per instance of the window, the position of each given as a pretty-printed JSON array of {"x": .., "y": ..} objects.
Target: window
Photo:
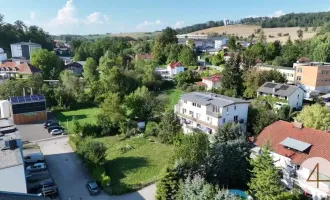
[
  {"x": 227, "y": 111},
  {"x": 216, "y": 109},
  {"x": 236, "y": 118},
  {"x": 224, "y": 120},
  {"x": 234, "y": 107},
  {"x": 185, "y": 102},
  {"x": 198, "y": 115},
  {"x": 298, "y": 78},
  {"x": 199, "y": 106},
  {"x": 194, "y": 104},
  {"x": 184, "y": 110},
  {"x": 299, "y": 70},
  {"x": 298, "y": 96},
  {"x": 191, "y": 113}
]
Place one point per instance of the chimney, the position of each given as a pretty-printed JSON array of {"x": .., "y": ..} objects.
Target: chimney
[
  {"x": 297, "y": 125},
  {"x": 12, "y": 144},
  {"x": 274, "y": 90}
]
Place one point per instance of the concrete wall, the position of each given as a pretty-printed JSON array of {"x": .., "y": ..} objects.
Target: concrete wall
[
  {"x": 13, "y": 179},
  {"x": 16, "y": 50},
  {"x": 296, "y": 99}
]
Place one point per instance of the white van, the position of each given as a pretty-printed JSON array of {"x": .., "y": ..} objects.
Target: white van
[{"x": 33, "y": 158}]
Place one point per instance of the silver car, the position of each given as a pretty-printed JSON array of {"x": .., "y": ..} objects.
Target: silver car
[
  {"x": 56, "y": 132},
  {"x": 37, "y": 167}
]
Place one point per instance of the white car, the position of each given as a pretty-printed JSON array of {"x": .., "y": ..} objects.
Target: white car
[
  {"x": 56, "y": 132},
  {"x": 37, "y": 167}
]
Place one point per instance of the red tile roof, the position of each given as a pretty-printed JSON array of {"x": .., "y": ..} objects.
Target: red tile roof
[
  {"x": 201, "y": 83},
  {"x": 175, "y": 64},
  {"x": 146, "y": 56},
  {"x": 280, "y": 130},
  {"x": 20, "y": 67},
  {"x": 215, "y": 78}
]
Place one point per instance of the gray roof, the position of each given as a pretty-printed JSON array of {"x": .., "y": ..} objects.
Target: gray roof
[
  {"x": 283, "y": 90},
  {"x": 295, "y": 144},
  {"x": 25, "y": 43},
  {"x": 274, "y": 67},
  {"x": 19, "y": 196},
  {"x": 9, "y": 158},
  {"x": 207, "y": 98},
  {"x": 219, "y": 38}
]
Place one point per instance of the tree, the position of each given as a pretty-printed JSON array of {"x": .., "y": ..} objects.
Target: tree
[
  {"x": 193, "y": 149},
  {"x": 229, "y": 131},
  {"x": 232, "y": 43},
  {"x": 90, "y": 71},
  {"x": 284, "y": 113},
  {"x": 232, "y": 76},
  {"x": 172, "y": 52},
  {"x": 187, "y": 56},
  {"x": 300, "y": 34},
  {"x": 170, "y": 127},
  {"x": 48, "y": 62},
  {"x": 265, "y": 180},
  {"x": 187, "y": 76},
  {"x": 315, "y": 116},
  {"x": 168, "y": 36},
  {"x": 72, "y": 84},
  {"x": 191, "y": 43},
  {"x": 217, "y": 59},
  {"x": 168, "y": 185},
  {"x": 92, "y": 152},
  {"x": 262, "y": 37},
  {"x": 196, "y": 188},
  {"x": 274, "y": 75},
  {"x": 253, "y": 79},
  {"x": 112, "y": 113}
]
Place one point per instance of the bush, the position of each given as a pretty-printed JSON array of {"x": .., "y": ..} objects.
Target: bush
[
  {"x": 100, "y": 176},
  {"x": 92, "y": 152},
  {"x": 93, "y": 130},
  {"x": 270, "y": 36},
  {"x": 279, "y": 34},
  {"x": 286, "y": 34},
  {"x": 152, "y": 129}
]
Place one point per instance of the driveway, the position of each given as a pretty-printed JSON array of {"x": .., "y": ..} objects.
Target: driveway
[
  {"x": 71, "y": 177},
  {"x": 33, "y": 132}
]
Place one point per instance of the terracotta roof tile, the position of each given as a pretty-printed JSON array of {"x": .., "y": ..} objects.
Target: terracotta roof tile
[
  {"x": 175, "y": 64},
  {"x": 280, "y": 130},
  {"x": 214, "y": 78},
  {"x": 20, "y": 67}
]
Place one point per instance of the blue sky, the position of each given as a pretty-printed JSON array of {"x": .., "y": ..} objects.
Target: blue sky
[{"x": 109, "y": 16}]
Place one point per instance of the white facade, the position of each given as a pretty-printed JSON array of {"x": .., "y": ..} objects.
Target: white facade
[
  {"x": 3, "y": 55},
  {"x": 12, "y": 179},
  {"x": 209, "y": 118},
  {"x": 175, "y": 70},
  {"x": 211, "y": 84},
  {"x": 17, "y": 49},
  {"x": 287, "y": 72},
  {"x": 218, "y": 43},
  {"x": 192, "y": 36}
]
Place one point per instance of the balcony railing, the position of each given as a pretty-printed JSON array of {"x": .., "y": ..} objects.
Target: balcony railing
[{"x": 213, "y": 114}]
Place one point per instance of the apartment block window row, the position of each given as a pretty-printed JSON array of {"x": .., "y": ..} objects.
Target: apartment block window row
[
  {"x": 298, "y": 78},
  {"x": 196, "y": 105},
  {"x": 323, "y": 80},
  {"x": 324, "y": 72}
]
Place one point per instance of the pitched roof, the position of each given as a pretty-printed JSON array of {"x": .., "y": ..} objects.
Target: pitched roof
[
  {"x": 20, "y": 67},
  {"x": 19, "y": 196},
  {"x": 175, "y": 64},
  {"x": 280, "y": 130},
  {"x": 260, "y": 64},
  {"x": 207, "y": 98},
  {"x": 144, "y": 56},
  {"x": 283, "y": 90},
  {"x": 214, "y": 78}
]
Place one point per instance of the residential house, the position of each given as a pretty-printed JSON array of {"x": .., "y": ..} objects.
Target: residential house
[
  {"x": 175, "y": 68},
  {"x": 293, "y": 94},
  {"x": 12, "y": 171},
  {"x": 144, "y": 56},
  {"x": 23, "y": 49},
  {"x": 211, "y": 82},
  {"x": 3, "y": 55},
  {"x": 76, "y": 67},
  {"x": 313, "y": 76},
  {"x": 16, "y": 68},
  {"x": 287, "y": 72},
  {"x": 220, "y": 41},
  {"x": 208, "y": 111},
  {"x": 295, "y": 150}
]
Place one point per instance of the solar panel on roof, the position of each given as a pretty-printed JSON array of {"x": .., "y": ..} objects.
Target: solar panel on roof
[
  {"x": 41, "y": 97},
  {"x": 34, "y": 98},
  {"x": 270, "y": 85},
  {"x": 284, "y": 87},
  {"x": 295, "y": 144},
  {"x": 27, "y": 99}
]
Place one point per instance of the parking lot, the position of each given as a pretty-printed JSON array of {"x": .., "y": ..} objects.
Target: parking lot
[{"x": 67, "y": 170}]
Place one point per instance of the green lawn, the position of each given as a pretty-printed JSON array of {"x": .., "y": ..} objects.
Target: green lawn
[
  {"x": 173, "y": 96},
  {"x": 87, "y": 115},
  {"x": 138, "y": 167}
]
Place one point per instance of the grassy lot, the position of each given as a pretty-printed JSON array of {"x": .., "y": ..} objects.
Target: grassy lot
[
  {"x": 138, "y": 167},
  {"x": 87, "y": 115},
  {"x": 173, "y": 96}
]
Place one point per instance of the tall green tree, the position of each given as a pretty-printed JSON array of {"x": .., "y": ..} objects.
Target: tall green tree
[
  {"x": 90, "y": 72},
  {"x": 187, "y": 56},
  {"x": 170, "y": 128},
  {"x": 265, "y": 181},
  {"x": 315, "y": 116}
]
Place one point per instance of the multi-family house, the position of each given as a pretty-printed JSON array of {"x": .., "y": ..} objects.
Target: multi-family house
[
  {"x": 3, "y": 55},
  {"x": 76, "y": 67},
  {"x": 211, "y": 82},
  {"x": 313, "y": 76},
  {"x": 287, "y": 72},
  {"x": 296, "y": 151},
  {"x": 23, "y": 49},
  {"x": 293, "y": 94},
  {"x": 208, "y": 111},
  {"x": 16, "y": 68},
  {"x": 174, "y": 68}
]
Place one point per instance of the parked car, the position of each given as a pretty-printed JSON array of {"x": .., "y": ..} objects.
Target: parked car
[
  {"x": 33, "y": 158},
  {"x": 49, "y": 124},
  {"x": 47, "y": 183},
  {"x": 93, "y": 188},
  {"x": 36, "y": 167},
  {"x": 48, "y": 192},
  {"x": 56, "y": 132},
  {"x": 49, "y": 129}
]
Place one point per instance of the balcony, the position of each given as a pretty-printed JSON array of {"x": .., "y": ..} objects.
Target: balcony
[
  {"x": 213, "y": 114},
  {"x": 197, "y": 120}
]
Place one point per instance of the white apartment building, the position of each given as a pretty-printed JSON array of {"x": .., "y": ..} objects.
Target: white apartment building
[
  {"x": 296, "y": 151},
  {"x": 219, "y": 42},
  {"x": 23, "y": 49},
  {"x": 287, "y": 72},
  {"x": 3, "y": 55},
  {"x": 293, "y": 94},
  {"x": 208, "y": 111}
]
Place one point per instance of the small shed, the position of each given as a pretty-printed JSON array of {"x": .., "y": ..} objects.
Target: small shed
[{"x": 28, "y": 109}]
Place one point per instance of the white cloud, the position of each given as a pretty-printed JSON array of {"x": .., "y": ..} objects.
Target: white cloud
[
  {"x": 95, "y": 18},
  {"x": 253, "y": 16},
  {"x": 178, "y": 24},
  {"x": 66, "y": 15},
  {"x": 106, "y": 18},
  {"x": 147, "y": 24},
  {"x": 32, "y": 15},
  {"x": 278, "y": 13}
]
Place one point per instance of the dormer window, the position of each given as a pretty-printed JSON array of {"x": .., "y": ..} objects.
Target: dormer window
[
  {"x": 2, "y": 69},
  {"x": 7, "y": 69}
]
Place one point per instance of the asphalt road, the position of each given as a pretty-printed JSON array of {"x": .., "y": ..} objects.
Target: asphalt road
[
  {"x": 33, "y": 132},
  {"x": 71, "y": 177}
]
